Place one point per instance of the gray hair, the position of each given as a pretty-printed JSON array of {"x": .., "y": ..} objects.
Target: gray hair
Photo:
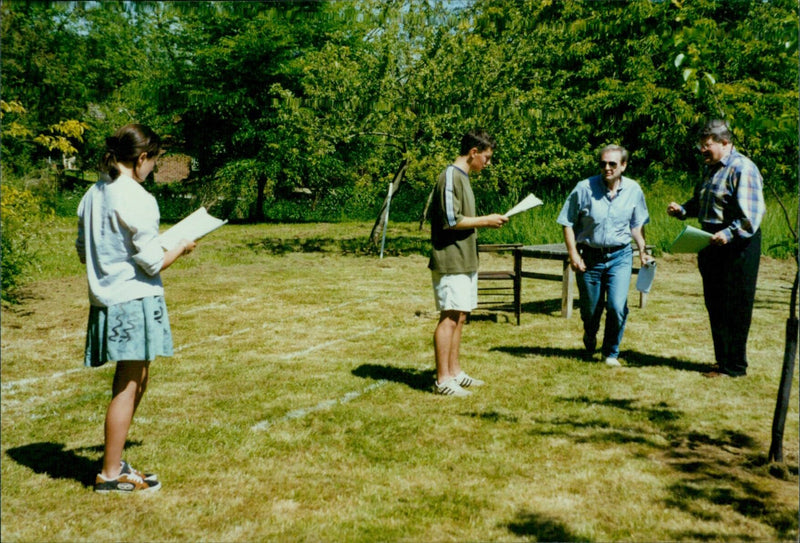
[
  {"x": 717, "y": 129},
  {"x": 622, "y": 151}
]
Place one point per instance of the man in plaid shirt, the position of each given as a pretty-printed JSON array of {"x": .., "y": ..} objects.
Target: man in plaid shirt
[{"x": 729, "y": 203}]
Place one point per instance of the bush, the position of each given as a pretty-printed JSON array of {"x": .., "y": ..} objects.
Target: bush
[{"x": 23, "y": 217}]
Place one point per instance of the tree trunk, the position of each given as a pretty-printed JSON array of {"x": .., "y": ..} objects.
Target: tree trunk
[
  {"x": 377, "y": 229},
  {"x": 785, "y": 388},
  {"x": 425, "y": 211}
]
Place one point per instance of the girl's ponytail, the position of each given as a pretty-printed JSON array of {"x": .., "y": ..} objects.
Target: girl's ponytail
[
  {"x": 127, "y": 145},
  {"x": 109, "y": 163}
]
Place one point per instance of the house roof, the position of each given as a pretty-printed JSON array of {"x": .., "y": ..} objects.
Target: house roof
[{"x": 172, "y": 168}]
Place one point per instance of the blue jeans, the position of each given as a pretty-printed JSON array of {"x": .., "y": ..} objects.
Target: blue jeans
[{"x": 604, "y": 285}]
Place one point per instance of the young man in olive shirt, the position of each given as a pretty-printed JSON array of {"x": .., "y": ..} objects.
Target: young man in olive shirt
[{"x": 454, "y": 258}]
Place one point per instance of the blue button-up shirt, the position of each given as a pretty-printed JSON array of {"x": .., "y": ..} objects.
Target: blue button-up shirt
[
  {"x": 599, "y": 220},
  {"x": 730, "y": 197}
]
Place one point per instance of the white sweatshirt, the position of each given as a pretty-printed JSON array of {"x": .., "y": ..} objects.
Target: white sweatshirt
[{"x": 118, "y": 239}]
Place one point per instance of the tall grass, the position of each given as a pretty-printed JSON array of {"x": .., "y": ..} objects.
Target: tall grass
[{"x": 539, "y": 226}]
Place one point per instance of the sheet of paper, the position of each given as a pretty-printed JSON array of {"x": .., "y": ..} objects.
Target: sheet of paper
[
  {"x": 193, "y": 227},
  {"x": 646, "y": 275},
  {"x": 530, "y": 201},
  {"x": 691, "y": 240}
]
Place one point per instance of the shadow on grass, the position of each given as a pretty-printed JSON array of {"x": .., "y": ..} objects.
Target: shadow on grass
[
  {"x": 413, "y": 378},
  {"x": 599, "y": 430},
  {"x": 551, "y": 307},
  {"x": 633, "y": 359},
  {"x": 715, "y": 473},
  {"x": 546, "y": 307},
  {"x": 730, "y": 472},
  {"x": 357, "y": 246},
  {"x": 541, "y": 528},
  {"x": 546, "y": 352},
  {"x": 53, "y": 460}
]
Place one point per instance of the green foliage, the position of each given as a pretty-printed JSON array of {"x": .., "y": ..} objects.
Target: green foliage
[
  {"x": 24, "y": 217},
  {"x": 301, "y": 109},
  {"x": 61, "y": 136}
]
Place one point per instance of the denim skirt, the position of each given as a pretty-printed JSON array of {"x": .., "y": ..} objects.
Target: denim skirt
[{"x": 133, "y": 330}]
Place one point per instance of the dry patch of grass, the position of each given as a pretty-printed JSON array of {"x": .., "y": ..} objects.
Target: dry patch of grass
[{"x": 298, "y": 407}]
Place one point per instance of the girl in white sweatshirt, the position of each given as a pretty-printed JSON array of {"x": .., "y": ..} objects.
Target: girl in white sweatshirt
[{"x": 128, "y": 322}]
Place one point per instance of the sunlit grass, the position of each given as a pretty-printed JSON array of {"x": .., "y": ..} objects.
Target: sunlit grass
[{"x": 298, "y": 408}]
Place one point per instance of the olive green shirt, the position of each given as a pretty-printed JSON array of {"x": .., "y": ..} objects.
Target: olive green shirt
[{"x": 454, "y": 251}]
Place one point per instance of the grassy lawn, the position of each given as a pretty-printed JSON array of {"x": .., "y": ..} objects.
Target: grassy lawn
[{"x": 298, "y": 407}]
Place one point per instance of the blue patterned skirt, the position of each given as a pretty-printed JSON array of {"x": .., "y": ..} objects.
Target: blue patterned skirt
[{"x": 133, "y": 330}]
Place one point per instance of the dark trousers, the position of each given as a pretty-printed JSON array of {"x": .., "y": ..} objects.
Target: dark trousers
[{"x": 729, "y": 275}]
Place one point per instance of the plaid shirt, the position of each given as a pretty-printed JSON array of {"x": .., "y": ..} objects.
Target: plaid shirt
[{"x": 730, "y": 198}]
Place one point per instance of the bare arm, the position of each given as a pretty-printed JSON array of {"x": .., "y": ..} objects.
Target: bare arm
[
  {"x": 172, "y": 255},
  {"x": 638, "y": 236},
  {"x": 575, "y": 259},
  {"x": 495, "y": 220}
]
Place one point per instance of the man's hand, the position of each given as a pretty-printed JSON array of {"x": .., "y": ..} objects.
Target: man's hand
[
  {"x": 577, "y": 263},
  {"x": 720, "y": 238},
  {"x": 495, "y": 220},
  {"x": 646, "y": 258},
  {"x": 675, "y": 210}
]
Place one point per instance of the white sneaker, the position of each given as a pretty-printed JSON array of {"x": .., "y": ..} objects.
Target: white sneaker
[
  {"x": 450, "y": 388},
  {"x": 465, "y": 381},
  {"x": 612, "y": 362}
]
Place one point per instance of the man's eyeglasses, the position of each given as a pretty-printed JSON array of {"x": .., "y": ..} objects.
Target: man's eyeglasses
[{"x": 612, "y": 165}]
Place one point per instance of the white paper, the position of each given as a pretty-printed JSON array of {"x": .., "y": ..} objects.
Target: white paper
[
  {"x": 530, "y": 201},
  {"x": 646, "y": 275},
  {"x": 193, "y": 227}
]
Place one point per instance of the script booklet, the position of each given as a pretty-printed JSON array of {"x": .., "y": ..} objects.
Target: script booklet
[
  {"x": 530, "y": 201},
  {"x": 193, "y": 227},
  {"x": 691, "y": 240}
]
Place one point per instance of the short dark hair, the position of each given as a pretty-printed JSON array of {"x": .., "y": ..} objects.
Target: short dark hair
[
  {"x": 127, "y": 144},
  {"x": 610, "y": 148},
  {"x": 717, "y": 129},
  {"x": 478, "y": 139}
]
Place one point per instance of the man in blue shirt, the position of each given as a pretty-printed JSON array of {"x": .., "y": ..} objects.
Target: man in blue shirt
[
  {"x": 729, "y": 203},
  {"x": 600, "y": 217}
]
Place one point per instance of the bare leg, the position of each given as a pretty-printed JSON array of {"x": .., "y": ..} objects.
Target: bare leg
[
  {"x": 447, "y": 342},
  {"x": 130, "y": 382}
]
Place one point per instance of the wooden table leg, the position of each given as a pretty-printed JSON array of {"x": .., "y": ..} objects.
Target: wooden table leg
[{"x": 567, "y": 286}]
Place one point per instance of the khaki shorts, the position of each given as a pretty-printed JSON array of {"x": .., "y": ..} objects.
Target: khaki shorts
[{"x": 455, "y": 291}]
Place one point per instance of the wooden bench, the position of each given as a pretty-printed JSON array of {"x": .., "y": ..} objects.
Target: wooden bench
[
  {"x": 504, "y": 289},
  {"x": 558, "y": 251}
]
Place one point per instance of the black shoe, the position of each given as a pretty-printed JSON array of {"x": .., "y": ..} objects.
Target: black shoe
[{"x": 590, "y": 344}]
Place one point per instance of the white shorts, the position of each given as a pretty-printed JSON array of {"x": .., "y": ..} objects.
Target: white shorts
[{"x": 455, "y": 291}]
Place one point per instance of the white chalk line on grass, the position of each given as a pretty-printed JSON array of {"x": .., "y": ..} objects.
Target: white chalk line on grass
[
  {"x": 327, "y": 344},
  {"x": 208, "y": 307},
  {"x": 9, "y": 385},
  {"x": 31, "y": 380},
  {"x": 198, "y": 309},
  {"x": 327, "y": 404}
]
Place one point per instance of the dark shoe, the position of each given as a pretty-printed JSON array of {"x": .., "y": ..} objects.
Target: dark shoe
[{"x": 590, "y": 343}]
